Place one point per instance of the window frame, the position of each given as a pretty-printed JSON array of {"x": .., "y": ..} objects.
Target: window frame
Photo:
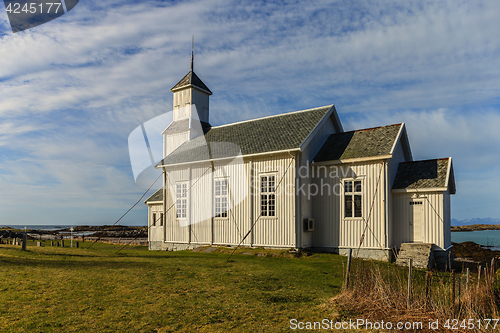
[
  {"x": 220, "y": 195},
  {"x": 353, "y": 192},
  {"x": 270, "y": 191},
  {"x": 153, "y": 218},
  {"x": 179, "y": 200}
]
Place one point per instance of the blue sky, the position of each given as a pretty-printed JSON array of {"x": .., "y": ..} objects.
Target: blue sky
[{"x": 72, "y": 90}]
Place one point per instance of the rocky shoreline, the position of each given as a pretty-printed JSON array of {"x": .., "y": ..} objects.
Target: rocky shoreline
[
  {"x": 476, "y": 227},
  {"x": 474, "y": 252},
  {"x": 108, "y": 231}
]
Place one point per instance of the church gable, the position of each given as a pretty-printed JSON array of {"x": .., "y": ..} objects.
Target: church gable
[
  {"x": 371, "y": 142},
  {"x": 426, "y": 174}
]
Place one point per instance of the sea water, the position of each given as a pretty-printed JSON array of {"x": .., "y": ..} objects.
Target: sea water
[
  {"x": 39, "y": 226},
  {"x": 490, "y": 238},
  {"x": 54, "y": 227}
]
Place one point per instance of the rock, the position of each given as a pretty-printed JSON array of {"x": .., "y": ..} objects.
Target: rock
[{"x": 209, "y": 249}]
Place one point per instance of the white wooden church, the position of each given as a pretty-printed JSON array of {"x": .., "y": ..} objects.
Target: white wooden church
[{"x": 294, "y": 180}]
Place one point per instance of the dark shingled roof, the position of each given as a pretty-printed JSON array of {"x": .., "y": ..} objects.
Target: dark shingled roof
[
  {"x": 191, "y": 79},
  {"x": 157, "y": 196},
  {"x": 180, "y": 126},
  {"x": 421, "y": 174},
  {"x": 275, "y": 133},
  {"x": 369, "y": 142}
]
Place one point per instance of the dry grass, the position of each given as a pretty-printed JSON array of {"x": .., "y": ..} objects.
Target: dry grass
[{"x": 380, "y": 292}]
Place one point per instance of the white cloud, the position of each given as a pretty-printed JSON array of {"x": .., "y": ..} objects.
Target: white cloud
[
  {"x": 73, "y": 89},
  {"x": 471, "y": 139}
]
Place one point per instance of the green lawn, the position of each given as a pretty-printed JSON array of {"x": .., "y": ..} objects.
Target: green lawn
[{"x": 53, "y": 289}]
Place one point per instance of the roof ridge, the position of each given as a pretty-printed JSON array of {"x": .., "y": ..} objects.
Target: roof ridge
[
  {"x": 428, "y": 160},
  {"x": 371, "y": 128},
  {"x": 272, "y": 116}
]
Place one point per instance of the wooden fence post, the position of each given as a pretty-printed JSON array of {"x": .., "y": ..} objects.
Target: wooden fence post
[
  {"x": 486, "y": 279},
  {"x": 453, "y": 289},
  {"x": 459, "y": 290},
  {"x": 492, "y": 269},
  {"x": 410, "y": 265},
  {"x": 428, "y": 277},
  {"x": 348, "y": 271},
  {"x": 25, "y": 240},
  {"x": 478, "y": 278},
  {"x": 467, "y": 280}
]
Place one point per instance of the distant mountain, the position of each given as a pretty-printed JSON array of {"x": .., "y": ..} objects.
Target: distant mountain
[{"x": 487, "y": 220}]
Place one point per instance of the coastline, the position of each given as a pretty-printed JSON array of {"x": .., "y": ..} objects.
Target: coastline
[
  {"x": 468, "y": 250},
  {"x": 107, "y": 231},
  {"x": 475, "y": 227}
]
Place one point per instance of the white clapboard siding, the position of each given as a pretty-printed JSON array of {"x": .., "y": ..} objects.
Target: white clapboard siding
[
  {"x": 436, "y": 223},
  {"x": 174, "y": 232},
  {"x": 155, "y": 231},
  {"x": 280, "y": 230},
  {"x": 447, "y": 219},
  {"x": 392, "y": 168},
  {"x": 173, "y": 141},
  {"x": 331, "y": 228},
  {"x": 319, "y": 137},
  {"x": 200, "y": 204},
  {"x": 231, "y": 229},
  {"x": 203, "y": 228}
]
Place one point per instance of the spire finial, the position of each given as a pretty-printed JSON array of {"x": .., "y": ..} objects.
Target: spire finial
[{"x": 192, "y": 53}]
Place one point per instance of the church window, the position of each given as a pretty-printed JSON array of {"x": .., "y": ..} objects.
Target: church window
[
  {"x": 353, "y": 198},
  {"x": 221, "y": 196},
  {"x": 268, "y": 195},
  {"x": 181, "y": 200}
]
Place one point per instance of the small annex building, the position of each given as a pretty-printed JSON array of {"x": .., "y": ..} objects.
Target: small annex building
[{"x": 294, "y": 180}]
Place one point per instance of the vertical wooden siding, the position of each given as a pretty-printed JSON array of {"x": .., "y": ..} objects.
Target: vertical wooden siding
[
  {"x": 155, "y": 232},
  {"x": 436, "y": 227},
  {"x": 332, "y": 229},
  {"x": 278, "y": 231}
]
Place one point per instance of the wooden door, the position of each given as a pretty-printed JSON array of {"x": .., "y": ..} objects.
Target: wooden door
[{"x": 416, "y": 221}]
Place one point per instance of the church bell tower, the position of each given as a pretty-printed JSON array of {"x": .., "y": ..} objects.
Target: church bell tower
[
  {"x": 190, "y": 90},
  {"x": 190, "y": 113}
]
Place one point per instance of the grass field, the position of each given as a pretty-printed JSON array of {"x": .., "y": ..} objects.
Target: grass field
[{"x": 54, "y": 289}]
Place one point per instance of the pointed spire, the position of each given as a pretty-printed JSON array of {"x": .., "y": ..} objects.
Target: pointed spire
[
  {"x": 192, "y": 53},
  {"x": 191, "y": 79}
]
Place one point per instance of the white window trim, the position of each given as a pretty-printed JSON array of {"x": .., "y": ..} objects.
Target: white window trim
[
  {"x": 153, "y": 218},
  {"x": 342, "y": 200},
  {"x": 267, "y": 174},
  {"x": 228, "y": 202},
  {"x": 177, "y": 201}
]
